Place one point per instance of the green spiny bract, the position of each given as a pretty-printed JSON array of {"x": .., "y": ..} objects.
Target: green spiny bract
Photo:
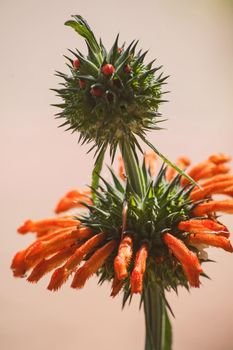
[
  {"x": 109, "y": 95},
  {"x": 159, "y": 210}
]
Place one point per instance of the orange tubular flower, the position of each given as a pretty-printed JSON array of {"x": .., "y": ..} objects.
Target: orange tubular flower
[
  {"x": 63, "y": 243},
  {"x": 73, "y": 199},
  {"x": 214, "y": 188},
  {"x": 136, "y": 279},
  {"x": 47, "y": 265},
  {"x": 42, "y": 249},
  {"x": 213, "y": 166},
  {"x": 42, "y": 227},
  {"x": 188, "y": 259},
  {"x": 93, "y": 264},
  {"x": 225, "y": 206},
  {"x": 150, "y": 158},
  {"x": 219, "y": 158},
  {"x": 123, "y": 257},
  {"x": 61, "y": 275},
  {"x": 210, "y": 239},
  {"x": 203, "y": 226}
]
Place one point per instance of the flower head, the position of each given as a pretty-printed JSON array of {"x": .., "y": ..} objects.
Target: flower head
[
  {"x": 109, "y": 95},
  {"x": 133, "y": 240}
]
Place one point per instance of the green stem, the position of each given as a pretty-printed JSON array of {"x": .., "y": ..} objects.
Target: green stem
[
  {"x": 131, "y": 167},
  {"x": 153, "y": 309},
  {"x": 158, "y": 326}
]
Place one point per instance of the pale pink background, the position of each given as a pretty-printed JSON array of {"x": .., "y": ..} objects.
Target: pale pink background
[{"x": 194, "y": 42}]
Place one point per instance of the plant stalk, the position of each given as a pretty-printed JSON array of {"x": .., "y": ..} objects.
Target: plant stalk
[
  {"x": 158, "y": 327},
  {"x": 153, "y": 310},
  {"x": 132, "y": 169}
]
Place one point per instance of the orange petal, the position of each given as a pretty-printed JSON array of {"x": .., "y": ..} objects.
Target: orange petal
[
  {"x": 19, "y": 265},
  {"x": 121, "y": 169},
  {"x": 219, "y": 158},
  {"x": 56, "y": 233},
  {"x": 217, "y": 178},
  {"x": 228, "y": 191},
  {"x": 205, "y": 170},
  {"x": 47, "y": 265},
  {"x": 214, "y": 206},
  {"x": 42, "y": 249},
  {"x": 203, "y": 226},
  {"x": 187, "y": 258},
  {"x": 116, "y": 286},
  {"x": 92, "y": 265},
  {"x": 210, "y": 239},
  {"x": 123, "y": 257},
  {"x": 136, "y": 278},
  {"x": 61, "y": 275},
  {"x": 42, "y": 226},
  {"x": 182, "y": 163},
  {"x": 73, "y": 199},
  {"x": 150, "y": 159},
  {"x": 214, "y": 188}
]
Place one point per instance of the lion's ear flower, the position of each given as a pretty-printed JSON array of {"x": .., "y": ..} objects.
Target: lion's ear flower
[
  {"x": 114, "y": 85},
  {"x": 73, "y": 199},
  {"x": 129, "y": 240}
]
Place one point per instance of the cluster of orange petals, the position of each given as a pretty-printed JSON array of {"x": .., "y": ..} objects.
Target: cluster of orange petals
[{"x": 67, "y": 248}]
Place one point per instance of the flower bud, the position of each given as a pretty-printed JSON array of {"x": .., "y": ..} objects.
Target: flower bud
[
  {"x": 108, "y": 69},
  {"x": 76, "y": 63}
]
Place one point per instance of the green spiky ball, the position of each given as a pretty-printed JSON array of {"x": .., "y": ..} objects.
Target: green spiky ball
[
  {"x": 108, "y": 96},
  {"x": 158, "y": 210}
]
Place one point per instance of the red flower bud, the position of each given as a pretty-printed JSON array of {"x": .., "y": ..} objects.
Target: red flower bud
[
  {"x": 76, "y": 63},
  {"x": 108, "y": 69},
  {"x": 82, "y": 83},
  {"x": 127, "y": 69},
  {"x": 96, "y": 91},
  {"x": 120, "y": 49}
]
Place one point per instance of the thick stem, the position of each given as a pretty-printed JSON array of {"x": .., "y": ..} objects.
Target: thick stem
[
  {"x": 153, "y": 309},
  {"x": 131, "y": 167},
  {"x": 158, "y": 328}
]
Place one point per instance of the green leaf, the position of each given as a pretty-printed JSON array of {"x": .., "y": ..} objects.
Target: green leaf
[
  {"x": 167, "y": 332},
  {"x": 181, "y": 172},
  {"x": 97, "y": 169},
  {"x": 83, "y": 29}
]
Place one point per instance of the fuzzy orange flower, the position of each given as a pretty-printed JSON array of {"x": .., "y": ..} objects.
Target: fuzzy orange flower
[{"x": 128, "y": 241}]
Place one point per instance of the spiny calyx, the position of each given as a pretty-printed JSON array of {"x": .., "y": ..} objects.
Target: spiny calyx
[{"x": 109, "y": 95}]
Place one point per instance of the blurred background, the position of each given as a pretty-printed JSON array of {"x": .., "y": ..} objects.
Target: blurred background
[{"x": 39, "y": 162}]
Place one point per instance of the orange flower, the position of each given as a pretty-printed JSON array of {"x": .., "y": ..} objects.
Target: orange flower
[
  {"x": 203, "y": 226},
  {"x": 65, "y": 245},
  {"x": 73, "y": 199},
  {"x": 150, "y": 158},
  {"x": 61, "y": 275},
  {"x": 213, "y": 166},
  {"x": 210, "y": 239},
  {"x": 188, "y": 259},
  {"x": 225, "y": 206},
  {"x": 92, "y": 265},
  {"x": 139, "y": 269},
  {"x": 123, "y": 257}
]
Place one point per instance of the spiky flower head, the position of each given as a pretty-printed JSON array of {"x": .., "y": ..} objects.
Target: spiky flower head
[
  {"x": 134, "y": 241},
  {"x": 109, "y": 95}
]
